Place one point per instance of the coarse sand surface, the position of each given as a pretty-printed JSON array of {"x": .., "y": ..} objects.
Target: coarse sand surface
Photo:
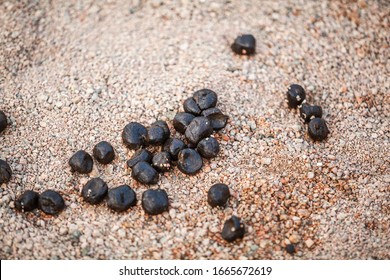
[{"x": 73, "y": 73}]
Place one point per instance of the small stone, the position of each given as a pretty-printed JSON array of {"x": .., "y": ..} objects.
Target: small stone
[
  {"x": 244, "y": 44},
  {"x": 140, "y": 155},
  {"x": 294, "y": 238},
  {"x": 155, "y": 202},
  {"x": 144, "y": 173},
  {"x": 5, "y": 172},
  {"x": 81, "y": 162},
  {"x": 121, "y": 198},
  {"x": 94, "y": 191},
  {"x": 309, "y": 243},
  {"x": 51, "y": 202},
  {"x": 134, "y": 135},
  {"x": 28, "y": 201},
  {"x": 266, "y": 161},
  {"x": 310, "y": 175},
  {"x": 104, "y": 152},
  {"x": 233, "y": 229}
]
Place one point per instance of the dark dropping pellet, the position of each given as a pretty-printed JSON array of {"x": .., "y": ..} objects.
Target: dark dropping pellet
[
  {"x": 121, "y": 198},
  {"x": 3, "y": 121},
  {"x": 189, "y": 161},
  {"x": 5, "y": 172},
  {"x": 308, "y": 112},
  {"x": 217, "y": 118},
  {"x": 158, "y": 133},
  {"x": 295, "y": 95},
  {"x": 51, "y": 202},
  {"x": 233, "y": 229},
  {"x": 190, "y": 106},
  {"x": 155, "y": 202},
  {"x": 181, "y": 121},
  {"x": 205, "y": 98},
  {"x": 104, "y": 152},
  {"x": 144, "y": 173},
  {"x": 244, "y": 44},
  {"x": 208, "y": 147},
  {"x": 140, "y": 155},
  {"x": 317, "y": 129},
  {"x": 290, "y": 248},
  {"x": 199, "y": 128},
  {"x": 162, "y": 161},
  {"x": 81, "y": 162},
  {"x": 173, "y": 146},
  {"x": 94, "y": 191},
  {"x": 218, "y": 195},
  {"x": 27, "y": 201},
  {"x": 134, "y": 135}
]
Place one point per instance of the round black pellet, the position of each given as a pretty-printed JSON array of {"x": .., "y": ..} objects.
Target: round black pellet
[
  {"x": 51, "y": 202},
  {"x": 181, "y": 121},
  {"x": 158, "y": 133},
  {"x": 81, "y": 162},
  {"x": 173, "y": 146},
  {"x": 233, "y": 229},
  {"x": 308, "y": 112},
  {"x": 27, "y": 201},
  {"x": 244, "y": 44},
  {"x": 164, "y": 126},
  {"x": 94, "y": 191},
  {"x": 317, "y": 129},
  {"x": 199, "y": 128},
  {"x": 205, "y": 98},
  {"x": 217, "y": 118},
  {"x": 140, "y": 155},
  {"x": 144, "y": 173},
  {"x": 134, "y": 135},
  {"x": 155, "y": 202},
  {"x": 218, "y": 195},
  {"x": 208, "y": 147},
  {"x": 189, "y": 161},
  {"x": 295, "y": 95},
  {"x": 162, "y": 161},
  {"x": 104, "y": 152},
  {"x": 190, "y": 106},
  {"x": 290, "y": 248},
  {"x": 5, "y": 172},
  {"x": 121, "y": 198},
  {"x": 3, "y": 121}
]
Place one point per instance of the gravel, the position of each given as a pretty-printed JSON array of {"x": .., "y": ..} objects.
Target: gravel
[{"x": 71, "y": 77}]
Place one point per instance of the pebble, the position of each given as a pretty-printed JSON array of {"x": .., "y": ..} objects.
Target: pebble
[
  {"x": 266, "y": 161},
  {"x": 310, "y": 175},
  {"x": 309, "y": 243}
]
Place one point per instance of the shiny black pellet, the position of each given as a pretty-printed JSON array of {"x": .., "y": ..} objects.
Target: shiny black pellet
[
  {"x": 233, "y": 229},
  {"x": 162, "y": 161},
  {"x": 205, "y": 98},
  {"x": 199, "y": 128},
  {"x": 94, "y": 191},
  {"x": 181, "y": 121},
  {"x": 190, "y": 106},
  {"x": 27, "y": 201},
  {"x": 208, "y": 147},
  {"x": 134, "y": 135},
  {"x": 173, "y": 146},
  {"x": 140, "y": 155},
  {"x": 144, "y": 173},
  {"x": 317, "y": 129},
  {"x": 81, "y": 162},
  {"x": 295, "y": 95},
  {"x": 121, "y": 198},
  {"x": 51, "y": 202},
  {"x": 189, "y": 161},
  {"x": 217, "y": 118},
  {"x": 244, "y": 44},
  {"x": 308, "y": 112},
  {"x": 218, "y": 195},
  {"x": 155, "y": 202},
  {"x": 5, "y": 172},
  {"x": 104, "y": 152},
  {"x": 3, "y": 121}
]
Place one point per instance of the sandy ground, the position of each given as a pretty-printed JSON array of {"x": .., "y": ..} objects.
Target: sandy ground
[{"x": 73, "y": 74}]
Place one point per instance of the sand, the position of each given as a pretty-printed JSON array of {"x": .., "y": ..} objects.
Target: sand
[{"x": 74, "y": 74}]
